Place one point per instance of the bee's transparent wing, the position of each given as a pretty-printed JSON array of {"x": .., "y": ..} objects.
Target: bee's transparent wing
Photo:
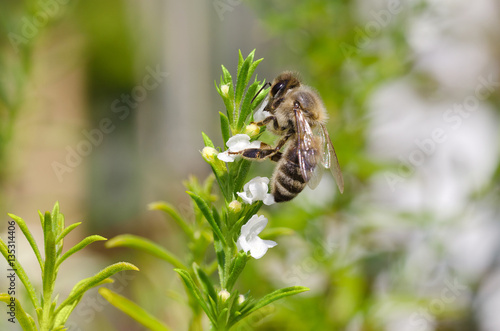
[
  {"x": 329, "y": 157},
  {"x": 307, "y": 153}
]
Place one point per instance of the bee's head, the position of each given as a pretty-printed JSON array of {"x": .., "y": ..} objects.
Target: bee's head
[{"x": 281, "y": 85}]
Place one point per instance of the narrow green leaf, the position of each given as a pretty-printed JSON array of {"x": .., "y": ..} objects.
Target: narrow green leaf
[
  {"x": 25, "y": 320},
  {"x": 241, "y": 174},
  {"x": 226, "y": 75},
  {"x": 24, "y": 228},
  {"x": 236, "y": 268},
  {"x": 82, "y": 244},
  {"x": 133, "y": 310},
  {"x": 271, "y": 297},
  {"x": 49, "y": 269},
  {"x": 229, "y": 100},
  {"x": 172, "y": 212},
  {"x": 208, "y": 215},
  {"x": 208, "y": 142},
  {"x": 205, "y": 282},
  {"x": 15, "y": 265},
  {"x": 86, "y": 284},
  {"x": 246, "y": 108},
  {"x": 224, "y": 126},
  {"x": 242, "y": 78},
  {"x": 42, "y": 218},
  {"x": 195, "y": 292},
  {"x": 240, "y": 62},
  {"x": 66, "y": 231},
  {"x": 145, "y": 245},
  {"x": 252, "y": 68}
]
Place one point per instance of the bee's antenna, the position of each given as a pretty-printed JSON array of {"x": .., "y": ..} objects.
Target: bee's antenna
[{"x": 263, "y": 87}]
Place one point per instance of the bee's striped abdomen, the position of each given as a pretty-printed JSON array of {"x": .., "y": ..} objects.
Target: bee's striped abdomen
[{"x": 287, "y": 178}]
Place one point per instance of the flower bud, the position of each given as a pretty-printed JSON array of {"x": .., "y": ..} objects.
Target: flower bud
[
  {"x": 225, "y": 90},
  {"x": 224, "y": 295},
  {"x": 241, "y": 299},
  {"x": 252, "y": 130},
  {"x": 234, "y": 206},
  {"x": 209, "y": 154}
]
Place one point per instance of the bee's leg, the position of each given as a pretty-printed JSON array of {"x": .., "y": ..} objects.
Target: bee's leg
[
  {"x": 265, "y": 151},
  {"x": 267, "y": 120}
]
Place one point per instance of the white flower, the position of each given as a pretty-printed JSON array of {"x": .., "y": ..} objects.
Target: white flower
[
  {"x": 256, "y": 189},
  {"x": 249, "y": 238},
  {"x": 237, "y": 143}
]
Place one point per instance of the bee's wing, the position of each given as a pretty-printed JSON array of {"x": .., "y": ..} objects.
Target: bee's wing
[
  {"x": 307, "y": 153},
  {"x": 329, "y": 158}
]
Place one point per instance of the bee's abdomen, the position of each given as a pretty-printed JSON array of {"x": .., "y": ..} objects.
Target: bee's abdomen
[{"x": 287, "y": 180}]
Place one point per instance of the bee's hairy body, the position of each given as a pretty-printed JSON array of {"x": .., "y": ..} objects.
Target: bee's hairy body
[{"x": 295, "y": 111}]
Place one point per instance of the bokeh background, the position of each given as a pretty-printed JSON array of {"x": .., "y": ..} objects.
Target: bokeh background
[{"x": 102, "y": 104}]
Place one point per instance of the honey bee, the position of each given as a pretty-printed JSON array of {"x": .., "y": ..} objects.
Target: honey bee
[{"x": 297, "y": 114}]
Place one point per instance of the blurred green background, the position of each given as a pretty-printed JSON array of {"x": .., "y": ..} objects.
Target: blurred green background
[{"x": 102, "y": 104}]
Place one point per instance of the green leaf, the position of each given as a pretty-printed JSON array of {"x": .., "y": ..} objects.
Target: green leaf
[
  {"x": 208, "y": 142},
  {"x": 271, "y": 297},
  {"x": 25, "y": 320},
  {"x": 66, "y": 231},
  {"x": 82, "y": 244},
  {"x": 49, "y": 269},
  {"x": 246, "y": 108},
  {"x": 242, "y": 78},
  {"x": 276, "y": 295},
  {"x": 24, "y": 228},
  {"x": 229, "y": 100},
  {"x": 236, "y": 269},
  {"x": 145, "y": 245},
  {"x": 241, "y": 174},
  {"x": 86, "y": 284},
  {"x": 172, "y": 212},
  {"x": 208, "y": 215},
  {"x": 205, "y": 282},
  {"x": 224, "y": 126},
  {"x": 21, "y": 274},
  {"x": 133, "y": 310},
  {"x": 195, "y": 292}
]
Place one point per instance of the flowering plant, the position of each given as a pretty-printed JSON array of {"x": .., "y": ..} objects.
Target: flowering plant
[
  {"x": 233, "y": 229},
  {"x": 49, "y": 315}
]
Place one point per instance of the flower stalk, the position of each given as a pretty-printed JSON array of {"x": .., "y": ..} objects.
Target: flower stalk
[{"x": 231, "y": 224}]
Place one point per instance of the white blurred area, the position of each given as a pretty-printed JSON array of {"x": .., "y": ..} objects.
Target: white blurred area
[{"x": 444, "y": 144}]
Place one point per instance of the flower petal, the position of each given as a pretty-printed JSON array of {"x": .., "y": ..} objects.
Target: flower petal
[
  {"x": 245, "y": 197},
  {"x": 269, "y": 199},
  {"x": 226, "y": 157},
  {"x": 254, "y": 226},
  {"x": 259, "y": 247}
]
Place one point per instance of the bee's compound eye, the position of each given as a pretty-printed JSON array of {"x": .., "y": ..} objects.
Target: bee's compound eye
[{"x": 277, "y": 87}]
